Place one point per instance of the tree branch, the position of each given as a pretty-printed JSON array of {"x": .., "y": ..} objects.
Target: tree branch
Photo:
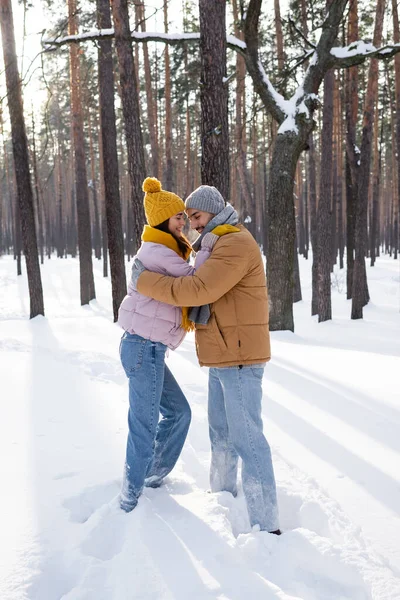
[
  {"x": 300, "y": 33},
  {"x": 273, "y": 101},
  {"x": 139, "y": 36},
  {"x": 359, "y": 52},
  {"x": 323, "y": 60}
]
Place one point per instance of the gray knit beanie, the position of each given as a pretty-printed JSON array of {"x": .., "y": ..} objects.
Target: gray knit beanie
[{"x": 206, "y": 198}]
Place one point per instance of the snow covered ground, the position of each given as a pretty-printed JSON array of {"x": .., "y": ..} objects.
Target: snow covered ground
[{"x": 331, "y": 413}]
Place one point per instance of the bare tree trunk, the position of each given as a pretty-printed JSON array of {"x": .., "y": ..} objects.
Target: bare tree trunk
[
  {"x": 264, "y": 206},
  {"x": 21, "y": 160},
  {"x": 352, "y": 153},
  {"x": 2, "y": 224},
  {"x": 393, "y": 161},
  {"x": 360, "y": 294},
  {"x": 60, "y": 241},
  {"x": 37, "y": 194},
  {"x": 93, "y": 187},
  {"x": 17, "y": 235},
  {"x": 340, "y": 178},
  {"x": 282, "y": 229},
  {"x": 296, "y": 275},
  {"x": 258, "y": 225},
  {"x": 300, "y": 209},
  {"x": 110, "y": 161},
  {"x": 214, "y": 96},
  {"x": 376, "y": 173},
  {"x": 324, "y": 235},
  {"x": 306, "y": 215},
  {"x": 151, "y": 104},
  {"x": 13, "y": 205},
  {"x": 396, "y": 37},
  {"x": 279, "y": 36},
  {"x": 103, "y": 208},
  {"x": 81, "y": 184},
  {"x": 130, "y": 108},
  {"x": 312, "y": 195},
  {"x": 335, "y": 159},
  {"x": 240, "y": 128},
  {"x": 169, "y": 167},
  {"x": 188, "y": 161}
]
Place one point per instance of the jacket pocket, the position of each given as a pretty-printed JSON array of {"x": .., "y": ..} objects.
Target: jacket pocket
[{"x": 217, "y": 333}]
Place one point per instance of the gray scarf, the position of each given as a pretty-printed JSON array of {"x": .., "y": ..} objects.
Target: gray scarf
[{"x": 227, "y": 216}]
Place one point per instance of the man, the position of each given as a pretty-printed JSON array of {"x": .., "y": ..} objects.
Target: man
[{"x": 234, "y": 343}]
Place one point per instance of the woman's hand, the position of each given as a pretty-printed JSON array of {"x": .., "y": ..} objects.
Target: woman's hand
[
  {"x": 137, "y": 270},
  {"x": 208, "y": 241}
]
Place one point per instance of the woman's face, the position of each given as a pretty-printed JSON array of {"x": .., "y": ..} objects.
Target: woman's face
[{"x": 176, "y": 224}]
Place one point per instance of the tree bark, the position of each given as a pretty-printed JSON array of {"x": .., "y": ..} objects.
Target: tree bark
[
  {"x": 130, "y": 109},
  {"x": 396, "y": 38},
  {"x": 21, "y": 160},
  {"x": 188, "y": 130},
  {"x": 297, "y": 297},
  {"x": 279, "y": 36},
  {"x": 169, "y": 167},
  {"x": 312, "y": 194},
  {"x": 360, "y": 295},
  {"x": 324, "y": 218},
  {"x": 352, "y": 152},
  {"x": 151, "y": 104},
  {"x": 281, "y": 231},
  {"x": 93, "y": 187},
  {"x": 60, "y": 241},
  {"x": 341, "y": 180},
  {"x": 37, "y": 194},
  {"x": 376, "y": 174},
  {"x": 110, "y": 161},
  {"x": 214, "y": 96},
  {"x": 240, "y": 130},
  {"x": 87, "y": 289}
]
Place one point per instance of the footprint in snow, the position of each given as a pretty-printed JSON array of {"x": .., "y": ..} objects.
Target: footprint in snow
[
  {"x": 66, "y": 475},
  {"x": 83, "y": 505},
  {"x": 294, "y": 512},
  {"x": 108, "y": 531},
  {"x": 304, "y": 564}
]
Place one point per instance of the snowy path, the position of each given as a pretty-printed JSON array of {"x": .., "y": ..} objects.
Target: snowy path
[{"x": 332, "y": 424}]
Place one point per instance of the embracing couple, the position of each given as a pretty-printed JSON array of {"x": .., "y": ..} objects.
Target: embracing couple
[{"x": 224, "y": 298}]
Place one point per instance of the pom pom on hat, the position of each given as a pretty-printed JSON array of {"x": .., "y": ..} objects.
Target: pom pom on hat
[
  {"x": 151, "y": 185},
  {"x": 159, "y": 205}
]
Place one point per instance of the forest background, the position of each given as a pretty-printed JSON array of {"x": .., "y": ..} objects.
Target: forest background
[{"x": 200, "y": 110}]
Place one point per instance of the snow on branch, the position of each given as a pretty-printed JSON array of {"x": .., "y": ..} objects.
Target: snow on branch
[
  {"x": 359, "y": 51},
  {"x": 139, "y": 36},
  {"x": 272, "y": 100}
]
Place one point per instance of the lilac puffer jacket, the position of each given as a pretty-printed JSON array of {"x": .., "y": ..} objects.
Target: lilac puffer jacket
[{"x": 151, "y": 319}]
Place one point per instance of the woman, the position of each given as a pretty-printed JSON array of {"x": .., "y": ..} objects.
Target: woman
[{"x": 150, "y": 328}]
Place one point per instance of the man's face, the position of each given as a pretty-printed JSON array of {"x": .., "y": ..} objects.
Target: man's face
[{"x": 198, "y": 218}]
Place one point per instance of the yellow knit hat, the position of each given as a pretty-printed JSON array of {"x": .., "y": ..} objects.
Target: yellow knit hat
[{"x": 159, "y": 205}]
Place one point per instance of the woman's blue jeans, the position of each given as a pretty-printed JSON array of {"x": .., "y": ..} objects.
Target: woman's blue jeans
[{"x": 153, "y": 445}]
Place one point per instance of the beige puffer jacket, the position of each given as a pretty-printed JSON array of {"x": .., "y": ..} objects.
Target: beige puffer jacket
[{"x": 233, "y": 281}]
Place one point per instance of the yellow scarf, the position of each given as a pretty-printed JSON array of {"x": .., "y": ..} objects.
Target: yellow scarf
[
  {"x": 223, "y": 229},
  {"x": 151, "y": 234}
]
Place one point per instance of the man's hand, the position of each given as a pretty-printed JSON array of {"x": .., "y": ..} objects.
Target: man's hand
[
  {"x": 137, "y": 270},
  {"x": 208, "y": 241}
]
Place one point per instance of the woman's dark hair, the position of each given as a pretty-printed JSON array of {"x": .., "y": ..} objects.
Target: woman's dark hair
[{"x": 182, "y": 243}]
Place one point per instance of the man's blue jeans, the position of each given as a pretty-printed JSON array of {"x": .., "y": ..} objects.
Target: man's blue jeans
[
  {"x": 236, "y": 429},
  {"x": 153, "y": 446}
]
